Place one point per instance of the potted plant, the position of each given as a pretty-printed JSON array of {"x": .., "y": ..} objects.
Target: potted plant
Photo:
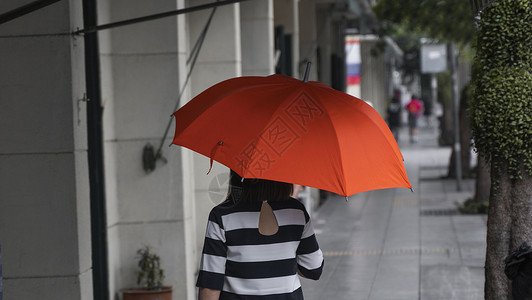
[{"x": 150, "y": 278}]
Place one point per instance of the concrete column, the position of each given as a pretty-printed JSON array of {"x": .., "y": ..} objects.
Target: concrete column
[
  {"x": 44, "y": 185},
  {"x": 220, "y": 58},
  {"x": 373, "y": 82},
  {"x": 187, "y": 166},
  {"x": 143, "y": 70},
  {"x": 286, "y": 13},
  {"x": 325, "y": 42},
  {"x": 257, "y": 37},
  {"x": 308, "y": 37}
]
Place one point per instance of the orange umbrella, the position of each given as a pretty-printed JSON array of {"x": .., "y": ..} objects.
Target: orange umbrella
[{"x": 280, "y": 128}]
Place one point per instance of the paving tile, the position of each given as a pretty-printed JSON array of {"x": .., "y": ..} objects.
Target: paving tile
[{"x": 452, "y": 282}]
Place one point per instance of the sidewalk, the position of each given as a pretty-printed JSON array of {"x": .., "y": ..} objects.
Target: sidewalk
[{"x": 397, "y": 244}]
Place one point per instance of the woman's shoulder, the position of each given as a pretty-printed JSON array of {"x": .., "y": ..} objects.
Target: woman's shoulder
[
  {"x": 295, "y": 202},
  {"x": 292, "y": 204},
  {"x": 228, "y": 207}
]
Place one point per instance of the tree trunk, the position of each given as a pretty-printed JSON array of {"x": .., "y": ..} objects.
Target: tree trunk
[
  {"x": 498, "y": 238},
  {"x": 483, "y": 181},
  {"x": 521, "y": 211},
  {"x": 446, "y": 125}
]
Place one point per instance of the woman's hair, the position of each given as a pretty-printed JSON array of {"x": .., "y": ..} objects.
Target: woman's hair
[
  {"x": 234, "y": 193},
  {"x": 250, "y": 190},
  {"x": 261, "y": 189}
]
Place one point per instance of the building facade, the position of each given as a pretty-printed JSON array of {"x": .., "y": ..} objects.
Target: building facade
[{"x": 77, "y": 198}]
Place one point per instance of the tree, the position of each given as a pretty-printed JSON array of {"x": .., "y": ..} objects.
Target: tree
[
  {"x": 449, "y": 20},
  {"x": 445, "y": 97},
  {"x": 501, "y": 119},
  {"x": 406, "y": 21}
]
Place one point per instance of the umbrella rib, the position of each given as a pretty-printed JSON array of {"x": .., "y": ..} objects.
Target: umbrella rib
[
  {"x": 343, "y": 177},
  {"x": 343, "y": 185},
  {"x": 398, "y": 152}
]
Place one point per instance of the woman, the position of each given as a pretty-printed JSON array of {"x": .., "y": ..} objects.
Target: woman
[
  {"x": 256, "y": 244},
  {"x": 394, "y": 114},
  {"x": 414, "y": 108}
]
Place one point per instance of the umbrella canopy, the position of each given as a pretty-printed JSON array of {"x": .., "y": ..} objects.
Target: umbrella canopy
[{"x": 280, "y": 128}]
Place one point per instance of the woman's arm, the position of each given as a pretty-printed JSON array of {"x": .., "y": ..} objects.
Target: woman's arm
[
  {"x": 213, "y": 257},
  {"x": 208, "y": 294},
  {"x": 309, "y": 255}
]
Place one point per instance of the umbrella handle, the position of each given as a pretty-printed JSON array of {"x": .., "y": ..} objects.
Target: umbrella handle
[{"x": 307, "y": 72}]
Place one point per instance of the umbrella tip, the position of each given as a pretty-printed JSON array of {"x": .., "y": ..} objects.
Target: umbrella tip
[
  {"x": 412, "y": 189},
  {"x": 307, "y": 72},
  {"x": 346, "y": 199}
]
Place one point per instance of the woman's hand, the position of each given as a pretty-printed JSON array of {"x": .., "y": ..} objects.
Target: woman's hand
[
  {"x": 297, "y": 188},
  {"x": 208, "y": 294},
  {"x": 300, "y": 274}
]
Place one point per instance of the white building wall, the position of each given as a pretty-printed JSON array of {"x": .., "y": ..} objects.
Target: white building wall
[
  {"x": 44, "y": 185},
  {"x": 142, "y": 73},
  {"x": 373, "y": 84},
  {"x": 187, "y": 166},
  {"x": 257, "y": 34},
  {"x": 219, "y": 59}
]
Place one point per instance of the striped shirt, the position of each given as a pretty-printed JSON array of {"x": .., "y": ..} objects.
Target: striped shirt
[{"x": 245, "y": 264}]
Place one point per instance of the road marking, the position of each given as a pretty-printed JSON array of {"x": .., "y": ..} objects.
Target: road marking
[{"x": 407, "y": 251}]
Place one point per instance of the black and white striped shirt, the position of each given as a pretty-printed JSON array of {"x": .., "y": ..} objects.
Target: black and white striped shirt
[{"x": 245, "y": 264}]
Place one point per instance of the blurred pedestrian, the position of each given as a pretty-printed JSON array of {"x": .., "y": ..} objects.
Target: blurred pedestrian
[
  {"x": 414, "y": 109},
  {"x": 257, "y": 244},
  {"x": 427, "y": 111},
  {"x": 394, "y": 114}
]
